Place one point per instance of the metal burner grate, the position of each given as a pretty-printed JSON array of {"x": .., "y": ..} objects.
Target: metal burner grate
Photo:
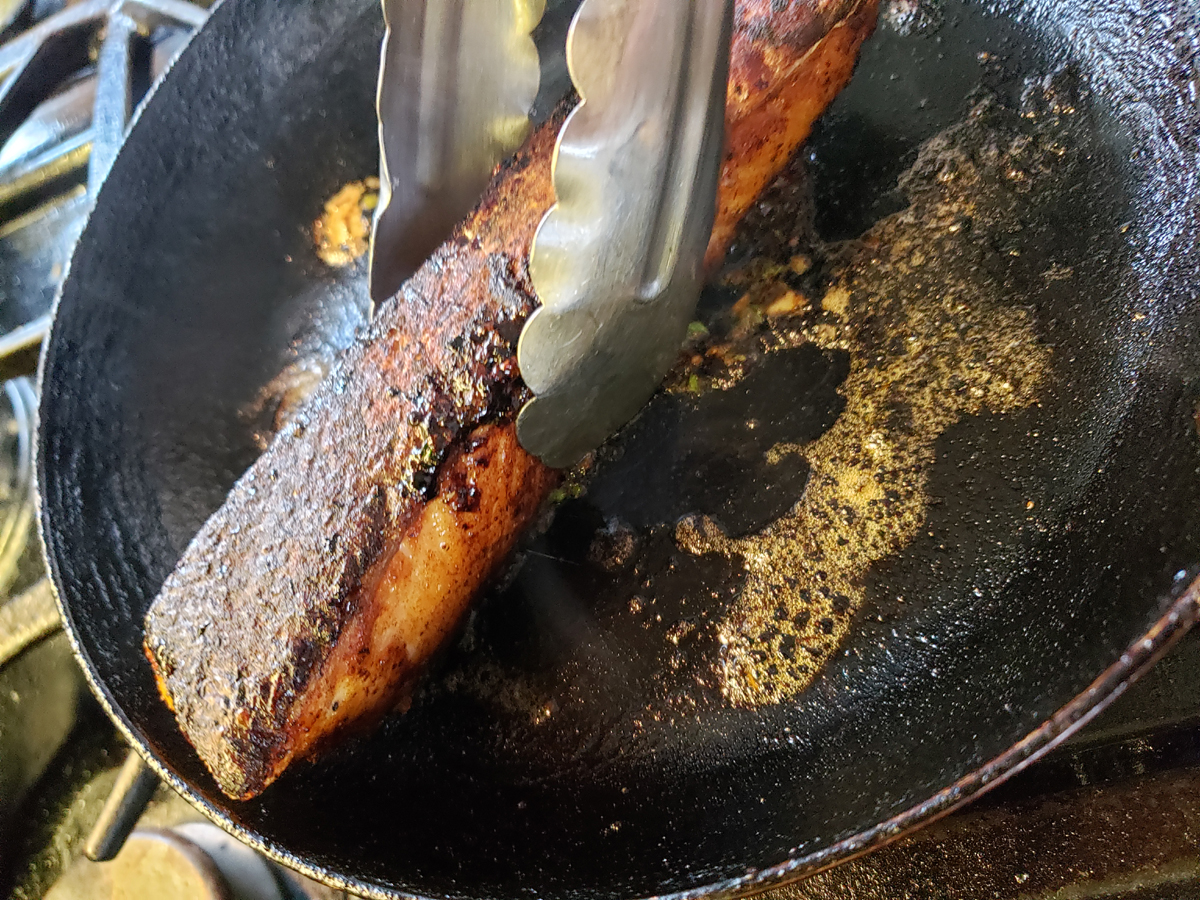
[{"x": 68, "y": 89}]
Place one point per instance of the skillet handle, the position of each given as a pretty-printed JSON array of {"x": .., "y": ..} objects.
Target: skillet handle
[{"x": 136, "y": 784}]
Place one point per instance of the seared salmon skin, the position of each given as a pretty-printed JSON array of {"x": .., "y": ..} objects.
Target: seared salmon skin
[{"x": 309, "y": 603}]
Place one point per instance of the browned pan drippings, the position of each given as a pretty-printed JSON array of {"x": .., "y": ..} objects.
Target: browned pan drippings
[
  {"x": 933, "y": 337},
  {"x": 920, "y": 328}
]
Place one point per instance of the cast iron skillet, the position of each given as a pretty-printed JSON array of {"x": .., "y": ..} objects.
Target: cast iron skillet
[{"x": 195, "y": 284}]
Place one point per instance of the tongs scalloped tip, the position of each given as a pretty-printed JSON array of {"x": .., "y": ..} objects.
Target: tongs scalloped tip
[{"x": 618, "y": 261}]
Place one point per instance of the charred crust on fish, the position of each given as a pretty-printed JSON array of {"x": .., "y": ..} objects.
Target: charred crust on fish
[{"x": 308, "y": 604}]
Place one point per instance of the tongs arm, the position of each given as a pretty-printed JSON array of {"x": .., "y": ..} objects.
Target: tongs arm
[
  {"x": 618, "y": 262},
  {"x": 457, "y": 79}
]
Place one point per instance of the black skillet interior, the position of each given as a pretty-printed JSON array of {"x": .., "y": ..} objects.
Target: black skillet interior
[{"x": 195, "y": 284}]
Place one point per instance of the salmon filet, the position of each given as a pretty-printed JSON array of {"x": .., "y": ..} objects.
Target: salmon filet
[{"x": 309, "y": 603}]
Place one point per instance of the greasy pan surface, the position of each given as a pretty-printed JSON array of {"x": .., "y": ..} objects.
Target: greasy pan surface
[{"x": 547, "y": 757}]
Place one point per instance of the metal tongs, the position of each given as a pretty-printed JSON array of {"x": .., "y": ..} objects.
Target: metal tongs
[{"x": 618, "y": 261}]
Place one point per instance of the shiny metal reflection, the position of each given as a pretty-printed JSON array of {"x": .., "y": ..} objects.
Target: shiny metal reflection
[
  {"x": 456, "y": 82},
  {"x": 617, "y": 263}
]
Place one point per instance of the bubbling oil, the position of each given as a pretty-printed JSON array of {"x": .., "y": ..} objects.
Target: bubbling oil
[
  {"x": 931, "y": 340},
  {"x": 652, "y": 585}
]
